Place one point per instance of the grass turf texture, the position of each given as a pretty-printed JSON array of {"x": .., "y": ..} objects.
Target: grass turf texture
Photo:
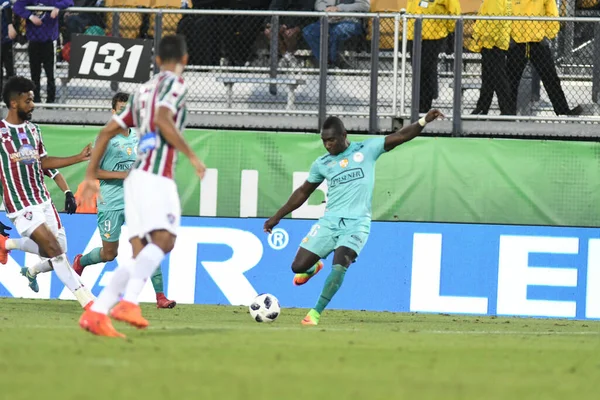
[{"x": 219, "y": 352}]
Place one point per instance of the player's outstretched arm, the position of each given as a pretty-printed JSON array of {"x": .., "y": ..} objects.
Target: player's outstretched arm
[
  {"x": 410, "y": 132},
  {"x": 164, "y": 122},
  {"x": 50, "y": 162},
  {"x": 297, "y": 198}
]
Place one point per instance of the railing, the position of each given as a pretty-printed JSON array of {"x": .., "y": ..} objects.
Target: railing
[{"x": 239, "y": 66}]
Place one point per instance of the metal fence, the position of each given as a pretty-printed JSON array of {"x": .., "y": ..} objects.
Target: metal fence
[{"x": 369, "y": 66}]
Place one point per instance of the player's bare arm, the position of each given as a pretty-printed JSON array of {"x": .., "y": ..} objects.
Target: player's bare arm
[
  {"x": 410, "y": 132},
  {"x": 164, "y": 121},
  {"x": 297, "y": 198},
  {"x": 107, "y": 175},
  {"x": 50, "y": 162}
]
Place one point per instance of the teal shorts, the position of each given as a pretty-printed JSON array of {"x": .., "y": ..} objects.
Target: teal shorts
[
  {"x": 329, "y": 233},
  {"x": 109, "y": 224}
]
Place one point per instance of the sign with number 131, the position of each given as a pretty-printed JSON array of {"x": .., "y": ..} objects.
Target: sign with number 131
[{"x": 111, "y": 59}]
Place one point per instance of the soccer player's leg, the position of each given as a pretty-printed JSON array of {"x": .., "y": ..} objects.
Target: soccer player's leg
[
  {"x": 25, "y": 222},
  {"x": 342, "y": 259},
  {"x": 159, "y": 289},
  {"x": 109, "y": 226},
  {"x": 349, "y": 245},
  {"x": 306, "y": 264},
  {"x": 316, "y": 245},
  {"x": 52, "y": 241},
  {"x": 146, "y": 256},
  {"x": 155, "y": 217}
]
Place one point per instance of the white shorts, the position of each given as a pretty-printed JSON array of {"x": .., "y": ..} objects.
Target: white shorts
[
  {"x": 30, "y": 218},
  {"x": 151, "y": 204}
]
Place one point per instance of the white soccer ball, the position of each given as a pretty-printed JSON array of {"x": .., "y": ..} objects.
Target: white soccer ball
[{"x": 265, "y": 308}]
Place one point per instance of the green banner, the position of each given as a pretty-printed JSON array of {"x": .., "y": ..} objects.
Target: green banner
[{"x": 429, "y": 179}]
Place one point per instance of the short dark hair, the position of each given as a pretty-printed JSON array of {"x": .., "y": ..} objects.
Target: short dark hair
[
  {"x": 172, "y": 48},
  {"x": 335, "y": 124},
  {"x": 16, "y": 86},
  {"x": 120, "y": 97}
]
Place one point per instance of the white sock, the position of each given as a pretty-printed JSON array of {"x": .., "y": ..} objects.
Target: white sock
[
  {"x": 65, "y": 273},
  {"x": 24, "y": 244},
  {"x": 84, "y": 296},
  {"x": 40, "y": 267},
  {"x": 145, "y": 265},
  {"x": 111, "y": 292}
]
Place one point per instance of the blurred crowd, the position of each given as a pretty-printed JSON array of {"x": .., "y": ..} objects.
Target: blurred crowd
[{"x": 506, "y": 47}]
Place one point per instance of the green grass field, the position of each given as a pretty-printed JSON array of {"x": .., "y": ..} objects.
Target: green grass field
[{"x": 219, "y": 352}]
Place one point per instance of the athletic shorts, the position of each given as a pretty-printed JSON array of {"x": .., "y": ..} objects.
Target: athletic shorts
[
  {"x": 151, "y": 204},
  {"x": 30, "y": 218},
  {"x": 329, "y": 233},
  {"x": 109, "y": 224}
]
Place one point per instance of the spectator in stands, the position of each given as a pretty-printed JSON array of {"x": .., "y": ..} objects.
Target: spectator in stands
[
  {"x": 9, "y": 34},
  {"x": 340, "y": 29},
  {"x": 239, "y": 32},
  {"x": 42, "y": 32},
  {"x": 492, "y": 39},
  {"x": 289, "y": 29},
  {"x": 434, "y": 34},
  {"x": 80, "y": 22},
  {"x": 532, "y": 42}
]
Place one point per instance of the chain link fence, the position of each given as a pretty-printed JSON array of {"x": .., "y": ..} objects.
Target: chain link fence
[
  {"x": 512, "y": 68},
  {"x": 363, "y": 65}
]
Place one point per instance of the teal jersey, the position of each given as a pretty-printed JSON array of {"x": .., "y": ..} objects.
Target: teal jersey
[
  {"x": 120, "y": 155},
  {"x": 350, "y": 178}
]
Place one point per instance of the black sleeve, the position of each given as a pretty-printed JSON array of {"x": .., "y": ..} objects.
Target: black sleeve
[{"x": 7, "y": 14}]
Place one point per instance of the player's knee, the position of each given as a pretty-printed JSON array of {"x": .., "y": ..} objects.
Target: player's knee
[
  {"x": 53, "y": 249},
  {"x": 345, "y": 259},
  {"x": 166, "y": 246},
  {"x": 110, "y": 254},
  {"x": 298, "y": 267},
  {"x": 164, "y": 240}
]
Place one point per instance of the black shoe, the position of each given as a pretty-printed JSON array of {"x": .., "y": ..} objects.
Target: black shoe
[
  {"x": 478, "y": 111},
  {"x": 342, "y": 62},
  {"x": 575, "y": 111}
]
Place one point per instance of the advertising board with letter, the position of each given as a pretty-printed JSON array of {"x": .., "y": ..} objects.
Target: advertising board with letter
[{"x": 416, "y": 267}]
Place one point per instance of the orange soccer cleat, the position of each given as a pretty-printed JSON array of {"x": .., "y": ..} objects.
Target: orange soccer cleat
[
  {"x": 3, "y": 251},
  {"x": 98, "y": 324},
  {"x": 131, "y": 313}
]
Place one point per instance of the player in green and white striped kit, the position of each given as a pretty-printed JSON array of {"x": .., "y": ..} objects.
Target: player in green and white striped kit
[{"x": 114, "y": 167}]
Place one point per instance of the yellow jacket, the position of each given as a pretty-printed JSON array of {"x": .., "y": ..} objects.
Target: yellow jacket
[
  {"x": 433, "y": 28},
  {"x": 488, "y": 34},
  {"x": 534, "y": 31}
]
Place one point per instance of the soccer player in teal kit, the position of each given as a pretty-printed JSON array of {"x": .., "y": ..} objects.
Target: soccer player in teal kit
[
  {"x": 114, "y": 167},
  {"x": 349, "y": 169}
]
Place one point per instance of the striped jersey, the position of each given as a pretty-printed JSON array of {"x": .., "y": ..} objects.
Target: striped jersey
[
  {"x": 165, "y": 89},
  {"x": 21, "y": 174}
]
